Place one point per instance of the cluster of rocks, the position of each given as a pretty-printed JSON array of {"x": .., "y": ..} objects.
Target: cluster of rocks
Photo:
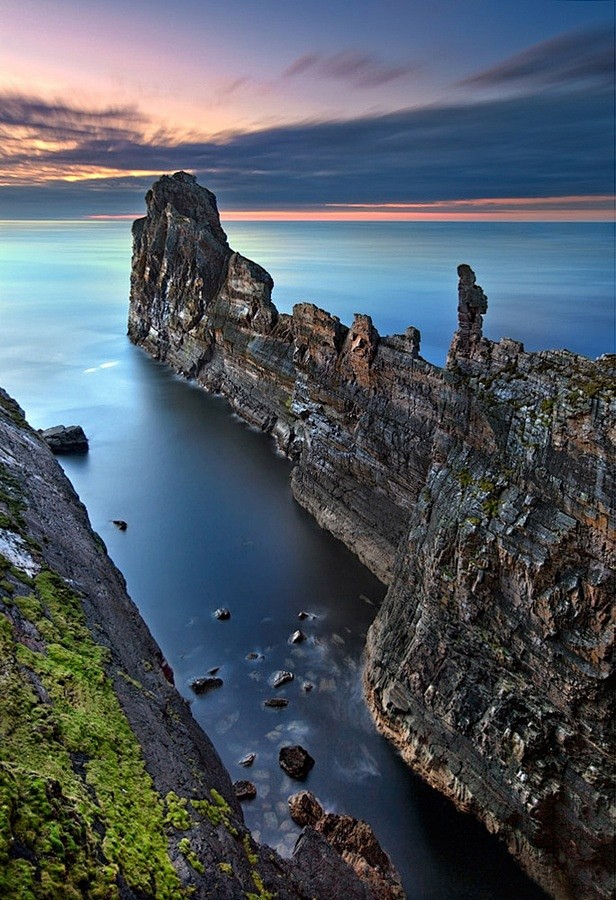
[{"x": 481, "y": 494}]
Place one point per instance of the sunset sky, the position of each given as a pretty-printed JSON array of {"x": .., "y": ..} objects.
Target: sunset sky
[{"x": 416, "y": 109}]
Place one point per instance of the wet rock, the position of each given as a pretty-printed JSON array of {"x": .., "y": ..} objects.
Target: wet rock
[
  {"x": 254, "y": 657},
  {"x": 120, "y": 524},
  {"x": 65, "y": 439},
  {"x": 305, "y": 615},
  {"x": 279, "y": 678},
  {"x": 203, "y": 685},
  {"x": 222, "y": 613},
  {"x": 213, "y": 670},
  {"x": 307, "y": 686},
  {"x": 244, "y": 790},
  {"x": 305, "y": 809},
  {"x": 295, "y": 761},
  {"x": 297, "y": 637},
  {"x": 276, "y": 702},
  {"x": 247, "y": 760}
]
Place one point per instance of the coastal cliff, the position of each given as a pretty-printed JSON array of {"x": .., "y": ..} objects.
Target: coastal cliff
[
  {"x": 108, "y": 787},
  {"x": 480, "y": 493}
]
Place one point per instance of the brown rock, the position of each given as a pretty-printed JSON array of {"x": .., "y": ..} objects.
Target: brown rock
[
  {"x": 244, "y": 790},
  {"x": 305, "y": 809},
  {"x": 295, "y": 761}
]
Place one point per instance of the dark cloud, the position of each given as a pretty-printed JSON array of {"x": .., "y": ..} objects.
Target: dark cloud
[
  {"x": 536, "y": 145},
  {"x": 577, "y": 56},
  {"x": 361, "y": 70},
  {"x": 64, "y": 120}
]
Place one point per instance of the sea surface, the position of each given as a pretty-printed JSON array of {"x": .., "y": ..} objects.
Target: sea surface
[{"x": 211, "y": 521}]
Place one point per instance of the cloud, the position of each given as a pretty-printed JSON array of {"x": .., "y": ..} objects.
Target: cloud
[
  {"x": 532, "y": 145},
  {"x": 360, "y": 70},
  {"x": 577, "y": 56}
]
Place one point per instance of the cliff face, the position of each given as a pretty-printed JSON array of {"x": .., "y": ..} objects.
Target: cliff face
[
  {"x": 480, "y": 493},
  {"x": 108, "y": 788}
]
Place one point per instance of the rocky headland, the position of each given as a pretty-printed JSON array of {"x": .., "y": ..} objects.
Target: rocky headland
[
  {"x": 108, "y": 787},
  {"x": 479, "y": 493}
]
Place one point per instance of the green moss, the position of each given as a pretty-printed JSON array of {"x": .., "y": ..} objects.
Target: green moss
[
  {"x": 190, "y": 856},
  {"x": 486, "y": 485},
  {"x": 491, "y": 506},
  {"x": 465, "y": 478},
  {"x": 226, "y": 868},
  {"x": 176, "y": 814},
  {"x": 218, "y": 811},
  {"x": 75, "y": 798}
]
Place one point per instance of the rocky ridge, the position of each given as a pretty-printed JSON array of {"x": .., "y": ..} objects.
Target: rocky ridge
[
  {"x": 480, "y": 493},
  {"x": 108, "y": 787}
]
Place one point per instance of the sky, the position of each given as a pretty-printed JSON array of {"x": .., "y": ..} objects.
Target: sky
[{"x": 397, "y": 109}]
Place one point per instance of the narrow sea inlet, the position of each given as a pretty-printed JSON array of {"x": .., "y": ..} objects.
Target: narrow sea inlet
[{"x": 211, "y": 521}]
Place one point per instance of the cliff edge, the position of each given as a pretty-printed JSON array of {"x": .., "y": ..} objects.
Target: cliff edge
[{"x": 481, "y": 493}]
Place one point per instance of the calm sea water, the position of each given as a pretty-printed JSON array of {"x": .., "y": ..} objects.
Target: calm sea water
[{"x": 211, "y": 521}]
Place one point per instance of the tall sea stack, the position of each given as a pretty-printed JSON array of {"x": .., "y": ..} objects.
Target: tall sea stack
[{"x": 480, "y": 493}]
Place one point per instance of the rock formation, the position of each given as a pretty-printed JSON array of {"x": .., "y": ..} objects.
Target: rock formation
[
  {"x": 108, "y": 788},
  {"x": 480, "y": 493}
]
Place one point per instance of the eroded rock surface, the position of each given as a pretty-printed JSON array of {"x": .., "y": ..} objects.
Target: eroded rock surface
[{"x": 480, "y": 493}]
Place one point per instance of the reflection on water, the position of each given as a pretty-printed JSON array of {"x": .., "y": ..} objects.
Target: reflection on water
[{"x": 211, "y": 521}]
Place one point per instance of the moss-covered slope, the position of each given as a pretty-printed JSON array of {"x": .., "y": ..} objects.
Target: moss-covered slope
[{"x": 108, "y": 788}]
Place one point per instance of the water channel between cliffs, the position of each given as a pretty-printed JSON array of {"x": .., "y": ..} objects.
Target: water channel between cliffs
[{"x": 211, "y": 523}]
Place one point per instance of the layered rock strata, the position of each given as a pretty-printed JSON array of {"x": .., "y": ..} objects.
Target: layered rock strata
[
  {"x": 108, "y": 787},
  {"x": 480, "y": 493}
]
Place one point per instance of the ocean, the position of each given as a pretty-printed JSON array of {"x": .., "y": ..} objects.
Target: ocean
[{"x": 211, "y": 521}]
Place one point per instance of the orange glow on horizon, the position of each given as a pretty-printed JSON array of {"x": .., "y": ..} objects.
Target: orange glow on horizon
[{"x": 509, "y": 209}]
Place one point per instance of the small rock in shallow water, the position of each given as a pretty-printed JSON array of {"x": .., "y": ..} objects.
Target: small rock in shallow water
[
  {"x": 297, "y": 637},
  {"x": 307, "y": 686},
  {"x": 252, "y": 656},
  {"x": 120, "y": 524},
  {"x": 276, "y": 702},
  {"x": 65, "y": 439},
  {"x": 279, "y": 678},
  {"x": 295, "y": 761},
  {"x": 202, "y": 685},
  {"x": 222, "y": 613},
  {"x": 305, "y": 615},
  {"x": 244, "y": 790},
  {"x": 248, "y": 759}
]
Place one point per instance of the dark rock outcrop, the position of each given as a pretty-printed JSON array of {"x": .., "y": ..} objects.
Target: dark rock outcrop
[
  {"x": 354, "y": 840},
  {"x": 108, "y": 787},
  {"x": 480, "y": 493},
  {"x": 66, "y": 439}
]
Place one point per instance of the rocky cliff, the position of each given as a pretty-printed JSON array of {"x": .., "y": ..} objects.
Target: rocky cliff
[
  {"x": 108, "y": 788},
  {"x": 480, "y": 493}
]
